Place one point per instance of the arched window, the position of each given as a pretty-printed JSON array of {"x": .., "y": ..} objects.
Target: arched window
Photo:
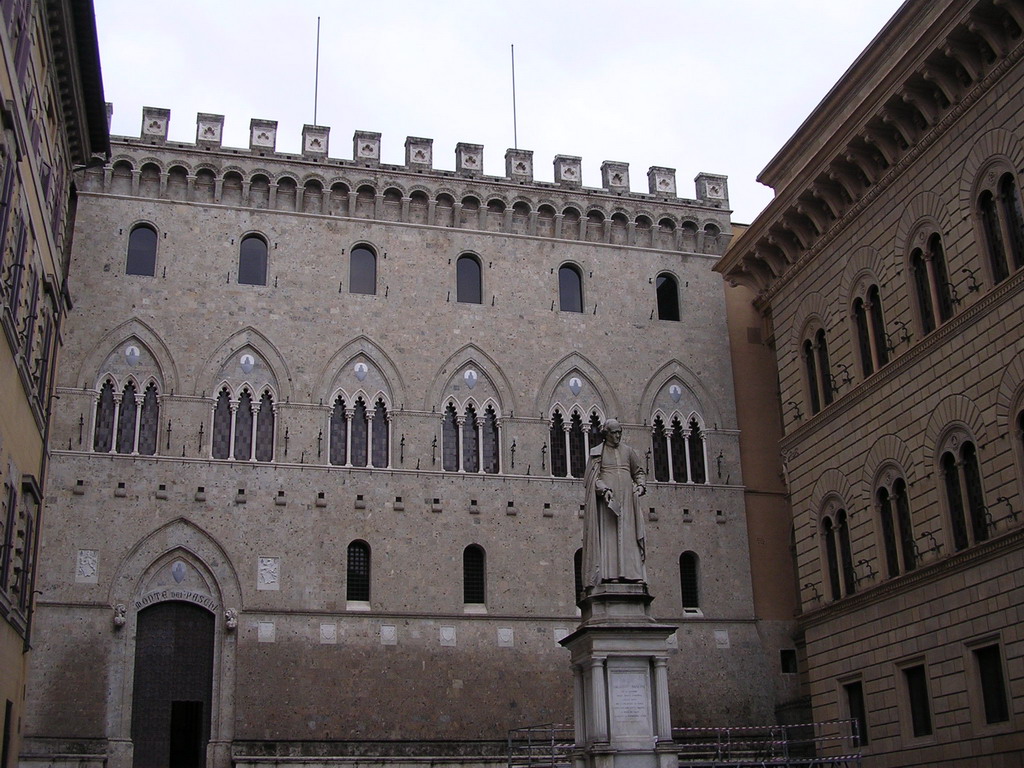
[
  {"x": 126, "y": 420},
  {"x": 679, "y": 454},
  {"x": 559, "y": 450},
  {"x": 577, "y": 446},
  {"x": 695, "y": 452},
  {"x": 931, "y": 284},
  {"x": 474, "y": 577},
  {"x": 450, "y": 440},
  {"x": 870, "y": 326},
  {"x": 897, "y": 533},
  {"x": 470, "y": 441},
  {"x": 817, "y": 370},
  {"x": 468, "y": 289},
  {"x": 965, "y": 498},
  {"x": 570, "y": 289},
  {"x": 103, "y": 433},
  {"x": 252, "y": 261},
  {"x": 338, "y": 439},
  {"x": 490, "y": 448},
  {"x": 221, "y": 441},
  {"x": 149, "y": 422},
  {"x": 141, "y": 251},
  {"x": 243, "y": 427},
  {"x": 380, "y": 438},
  {"x": 660, "y": 451},
  {"x": 668, "y": 297},
  {"x": 362, "y": 272},
  {"x": 360, "y": 432},
  {"x": 357, "y": 580},
  {"x": 265, "y": 428},
  {"x": 835, "y": 534},
  {"x": 688, "y": 583},
  {"x": 1002, "y": 225}
]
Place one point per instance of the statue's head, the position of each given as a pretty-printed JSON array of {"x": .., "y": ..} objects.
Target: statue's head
[{"x": 612, "y": 432}]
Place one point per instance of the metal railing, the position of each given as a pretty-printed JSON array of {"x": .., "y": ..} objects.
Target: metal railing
[{"x": 833, "y": 743}]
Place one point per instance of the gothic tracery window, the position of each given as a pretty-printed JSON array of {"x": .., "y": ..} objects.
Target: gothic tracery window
[
  {"x": 679, "y": 453},
  {"x": 244, "y": 428},
  {"x": 126, "y": 422},
  {"x": 470, "y": 441}
]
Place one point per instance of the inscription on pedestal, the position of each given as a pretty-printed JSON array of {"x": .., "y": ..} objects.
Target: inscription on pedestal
[{"x": 630, "y": 704}]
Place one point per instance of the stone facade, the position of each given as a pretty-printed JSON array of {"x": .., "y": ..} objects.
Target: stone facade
[
  {"x": 340, "y": 406},
  {"x": 888, "y": 268},
  {"x": 51, "y": 118}
]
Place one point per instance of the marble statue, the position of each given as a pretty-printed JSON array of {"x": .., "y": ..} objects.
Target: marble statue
[{"x": 613, "y": 523}]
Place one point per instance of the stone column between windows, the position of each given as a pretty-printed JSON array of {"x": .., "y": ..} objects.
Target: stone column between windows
[
  {"x": 254, "y": 416},
  {"x": 686, "y": 455},
  {"x": 352, "y": 197},
  {"x": 704, "y": 452},
  {"x": 349, "y": 413},
  {"x": 566, "y": 427},
  {"x": 460, "y": 452},
  {"x": 273, "y": 432},
  {"x": 163, "y": 184},
  {"x": 933, "y": 288},
  {"x": 558, "y": 224},
  {"x": 233, "y": 406},
  {"x": 387, "y": 450},
  {"x": 531, "y": 226},
  {"x": 136, "y": 175},
  {"x": 671, "y": 455},
  {"x": 431, "y": 211},
  {"x": 872, "y": 341},
  {"x": 479, "y": 424},
  {"x": 138, "y": 421},
  {"x": 378, "y": 206},
  {"x": 117, "y": 422},
  {"x": 245, "y": 192},
  {"x": 369, "y": 437},
  {"x": 498, "y": 430},
  {"x": 456, "y": 215}
]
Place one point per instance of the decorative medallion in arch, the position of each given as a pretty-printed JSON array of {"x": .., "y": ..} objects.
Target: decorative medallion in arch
[{"x": 172, "y": 664}]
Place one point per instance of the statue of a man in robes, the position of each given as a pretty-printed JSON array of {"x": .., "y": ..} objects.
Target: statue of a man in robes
[{"x": 613, "y": 523}]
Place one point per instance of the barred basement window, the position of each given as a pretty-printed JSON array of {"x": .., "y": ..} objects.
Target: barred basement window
[
  {"x": 141, "y": 251},
  {"x": 357, "y": 582},
  {"x": 856, "y": 710},
  {"x": 473, "y": 575},
  {"x": 915, "y": 681}
]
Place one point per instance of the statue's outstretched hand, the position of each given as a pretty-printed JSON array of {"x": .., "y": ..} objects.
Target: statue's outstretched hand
[{"x": 639, "y": 490}]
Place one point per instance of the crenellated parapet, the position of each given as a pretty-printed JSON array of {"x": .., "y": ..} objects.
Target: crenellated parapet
[{"x": 313, "y": 182}]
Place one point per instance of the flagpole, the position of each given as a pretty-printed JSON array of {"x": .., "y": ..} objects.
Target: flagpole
[
  {"x": 316, "y": 79},
  {"x": 515, "y": 133}
]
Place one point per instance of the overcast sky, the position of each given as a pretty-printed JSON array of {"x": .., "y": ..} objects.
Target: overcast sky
[{"x": 695, "y": 85}]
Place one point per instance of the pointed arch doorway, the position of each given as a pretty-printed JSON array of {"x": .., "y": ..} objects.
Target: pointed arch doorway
[{"x": 173, "y": 686}]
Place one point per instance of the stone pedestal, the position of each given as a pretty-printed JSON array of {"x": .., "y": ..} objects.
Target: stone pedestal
[{"x": 620, "y": 672}]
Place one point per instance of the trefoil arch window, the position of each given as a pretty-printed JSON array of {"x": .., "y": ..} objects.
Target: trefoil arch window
[
  {"x": 474, "y": 575},
  {"x": 570, "y": 288},
  {"x": 244, "y": 428},
  {"x": 357, "y": 572},
  {"x": 468, "y": 280},
  {"x": 965, "y": 499},
  {"x": 931, "y": 285},
  {"x": 838, "y": 554},
  {"x": 679, "y": 452},
  {"x": 126, "y": 422},
  {"x": 141, "y": 251},
  {"x": 470, "y": 441},
  {"x": 252, "y": 260},
  {"x": 893, "y": 506},
  {"x": 359, "y": 436},
  {"x": 570, "y": 442},
  {"x": 362, "y": 270},
  {"x": 667, "y": 290}
]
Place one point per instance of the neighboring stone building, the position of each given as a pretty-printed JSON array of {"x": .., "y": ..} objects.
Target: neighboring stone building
[
  {"x": 889, "y": 266},
  {"x": 323, "y": 421},
  {"x": 51, "y": 118}
]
